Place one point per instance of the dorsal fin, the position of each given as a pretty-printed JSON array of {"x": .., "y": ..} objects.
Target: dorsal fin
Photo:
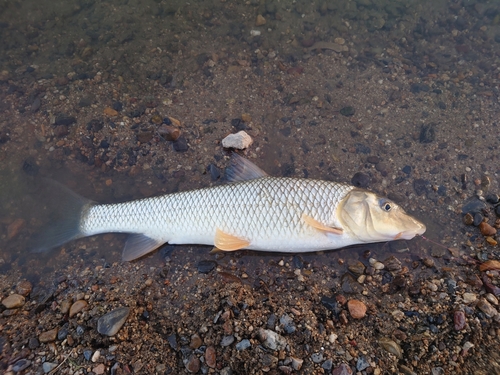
[{"x": 241, "y": 169}]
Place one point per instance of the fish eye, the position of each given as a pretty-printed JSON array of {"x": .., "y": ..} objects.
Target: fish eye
[{"x": 385, "y": 205}]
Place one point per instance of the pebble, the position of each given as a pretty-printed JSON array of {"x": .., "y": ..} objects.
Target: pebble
[
  {"x": 287, "y": 322},
  {"x": 170, "y": 133},
  {"x": 459, "y": 320},
  {"x": 110, "y": 112},
  {"x": 99, "y": 369},
  {"x": 347, "y": 111},
  {"x": 193, "y": 364},
  {"x": 35, "y": 106},
  {"x": 196, "y": 341},
  {"x": 490, "y": 265},
  {"x": 328, "y": 364},
  {"x": 13, "y": 301},
  {"x": 95, "y": 357},
  {"x": 110, "y": 323},
  {"x": 486, "y": 229},
  {"x": 77, "y": 307},
  {"x": 205, "y": 266},
  {"x": 361, "y": 180},
  {"x": 362, "y": 363},
  {"x": 240, "y": 140},
  {"x": 469, "y": 297},
  {"x": 243, "y": 344},
  {"x": 180, "y": 145},
  {"x": 24, "y": 288},
  {"x": 48, "y": 336},
  {"x": 227, "y": 340},
  {"x": 272, "y": 340},
  {"x": 342, "y": 369},
  {"x": 210, "y": 356},
  {"x": 491, "y": 298},
  {"x": 391, "y": 346},
  {"x": 428, "y": 262},
  {"x": 297, "y": 363},
  {"x": 87, "y": 354},
  {"x": 62, "y": 119},
  {"x": 317, "y": 357},
  {"x": 486, "y": 307},
  {"x": 21, "y": 365},
  {"x": 260, "y": 20},
  {"x": 357, "y": 309},
  {"x": 357, "y": 268},
  {"x": 48, "y": 367}
]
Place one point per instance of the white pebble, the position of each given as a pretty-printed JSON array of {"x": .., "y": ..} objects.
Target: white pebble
[
  {"x": 96, "y": 355},
  {"x": 240, "y": 140},
  {"x": 254, "y": 32}
]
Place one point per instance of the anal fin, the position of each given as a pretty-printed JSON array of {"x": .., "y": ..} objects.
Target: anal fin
[
  {"x": 316, "y": 224},
  {"x": 227, "y": 242},
  {"x": 138, "y": 245}
]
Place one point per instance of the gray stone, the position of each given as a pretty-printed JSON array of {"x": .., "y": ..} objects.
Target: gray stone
[
  {"x": 272, "y": 340},
  {"x": 48, "y": 367},
  {"x": 243, "y": 344},
  {"x": 109, "y": 324}
]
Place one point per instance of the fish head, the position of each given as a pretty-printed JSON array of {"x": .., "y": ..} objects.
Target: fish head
[{"x": 371, "y": 218}]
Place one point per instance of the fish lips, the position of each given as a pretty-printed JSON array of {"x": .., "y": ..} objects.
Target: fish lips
[{"x": 418, "y": 229}]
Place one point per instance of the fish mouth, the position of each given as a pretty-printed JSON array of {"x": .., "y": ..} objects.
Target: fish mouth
[{"x": 418, "y": 230}]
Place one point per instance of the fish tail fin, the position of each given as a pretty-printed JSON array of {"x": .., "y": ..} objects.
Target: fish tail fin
[{"x": 64, "y": 211}]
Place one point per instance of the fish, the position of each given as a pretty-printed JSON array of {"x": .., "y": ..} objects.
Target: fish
[{"x": 252, "y": 211}]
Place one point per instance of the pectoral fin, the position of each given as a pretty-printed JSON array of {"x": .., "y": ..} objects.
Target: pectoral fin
[
  {"x": 316, "y": 224},
  {"x": 227, "y": 242}
]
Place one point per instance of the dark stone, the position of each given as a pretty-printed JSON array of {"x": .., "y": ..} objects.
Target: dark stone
[
  {"x": 167, "y": 121},
  {"x": 286, "y": 131},
  {"x": 35, "y": 106},
  {"x": 373, "y": 159},
  {"x": 180, "y": 145},
  {"x": 415, "y": 88},
  {"x": 172, "y": 341},
  {"x": 85, "y": 102},
  {"x": 137, "y": 112},
  {"x": 331, "y": 304},
  {"x": 347, "y": 111},
  {"x": 478, "y": 219},
  {"x": 206, "y": 266},
  {"x": 61, "y": 131},
  {"x": 33, "y": 343},
  {"x": 87, "y": 354},
  {"x": 117, "y": 106},
  {"x": 492, "y": 198},
  {"x": 361, "y": 180},
  {"x": 350, "y": 285},
  {"x": 63, "y": 332},
  {"x": 407, "y": 169},
  {"x": 473, "y": 206},
  {"x": 362, "y": 363},
  {"x": 30, "y": 167},
  {"x": 427, "y": 133},
  {"x": 95, "y": 125},
  {"x": 63, "y": 119},
  {"x": 362, "y": 149},
  {"x": 420, "y": 186}
]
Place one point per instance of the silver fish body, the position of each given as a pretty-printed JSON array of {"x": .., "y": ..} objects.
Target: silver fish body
[{"x": 256, "y": 212}]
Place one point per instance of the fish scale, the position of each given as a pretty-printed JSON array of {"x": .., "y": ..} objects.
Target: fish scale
[{"x": 258, "y": 210}]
